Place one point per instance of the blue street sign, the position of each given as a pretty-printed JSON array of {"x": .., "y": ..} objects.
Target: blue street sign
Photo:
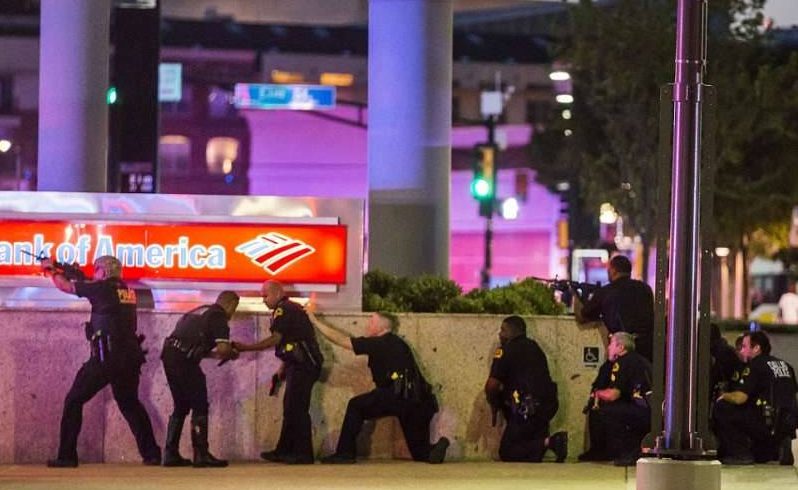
[{"x": 293, "y": 97}]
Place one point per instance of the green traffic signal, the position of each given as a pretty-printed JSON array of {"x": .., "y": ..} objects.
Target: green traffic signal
[
  {"x": 480, "y": 188},
  {"x": 111, "y": 96}
]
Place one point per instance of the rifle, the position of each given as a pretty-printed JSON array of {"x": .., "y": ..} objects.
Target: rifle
[
  {"x": 582, "y": 289},
  {"x": 71, "y": 271}
]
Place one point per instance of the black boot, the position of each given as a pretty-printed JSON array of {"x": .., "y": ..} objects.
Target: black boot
[
  {"x": 171, "y": 452},
  {"x": 199, "y": 439}
]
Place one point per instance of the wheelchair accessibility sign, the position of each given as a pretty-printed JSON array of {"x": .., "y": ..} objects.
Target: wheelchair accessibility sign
[{"x": 591, "y": 356}]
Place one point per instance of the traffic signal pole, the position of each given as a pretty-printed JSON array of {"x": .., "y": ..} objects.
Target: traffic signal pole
[{"x": 490, "y": 122}]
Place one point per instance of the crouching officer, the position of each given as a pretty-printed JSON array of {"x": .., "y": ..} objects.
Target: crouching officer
[
  {"x": 621, "y": 416},
  {"x": 116, "y": 359},
  {"x": 295, "y": 344},
  {"x": 200, "y": 333},
  {"x": 400, "y": 391},
  {"x": 756, "y": 422},
  {"x": 521, "y": 387}
]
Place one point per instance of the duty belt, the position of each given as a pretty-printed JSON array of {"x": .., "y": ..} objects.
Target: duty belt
[{"x": 191, "y": 351}]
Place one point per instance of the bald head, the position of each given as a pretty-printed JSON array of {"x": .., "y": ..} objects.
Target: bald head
[{"x": 272, "y": 292}]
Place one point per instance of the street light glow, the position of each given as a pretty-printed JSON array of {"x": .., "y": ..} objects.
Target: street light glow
[
  {"x": 5, "y": 145},
  {"x": 722, "y": 251},
  {"x": 510, "y": 208},
  {"x": 564, "y": 98},
  {"x": 607, "y": 214},
  {"x": 559, "y": 76},
  {"x": 566, "y": 114}
]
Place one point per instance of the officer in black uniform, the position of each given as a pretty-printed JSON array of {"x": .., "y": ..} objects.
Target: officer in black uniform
[
  {"x": 202, "y": 332},
  {"x": 621, "y": 415},
  {"x": 401, "y": 391},
  {"x": 624, "y": 305},
  {"x": 598, "y": 443},
  {"x": 116, "y": 359},
  {"x": 756, "y": 422},
  {"x": 295, "y": 344},
  {"x": 521, "y": 387}
]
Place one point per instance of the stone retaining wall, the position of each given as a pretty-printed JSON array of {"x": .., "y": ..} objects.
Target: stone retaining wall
[{"x": 42, "y": 350}]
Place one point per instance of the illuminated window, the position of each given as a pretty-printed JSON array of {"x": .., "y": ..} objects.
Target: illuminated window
[
  {"x": 174, "y": 154},
  {"x": 337, "y": 79},
  {"x": 280, "y": 76},
  {"x": 220, "y": 155}
]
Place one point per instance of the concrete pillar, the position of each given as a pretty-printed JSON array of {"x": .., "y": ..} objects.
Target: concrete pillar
[
  {"x": 670, "y": 474},
  {"x": 409, "y": 135},
  {"x": 73, "y": 79}
]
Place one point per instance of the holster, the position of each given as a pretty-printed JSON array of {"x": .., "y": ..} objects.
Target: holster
[
  {"x": 523, "y": 406},
  {"x": 409, "y": 385},
  {"x": 101, "y": 347},
  {"x": 297, "y": 353}
]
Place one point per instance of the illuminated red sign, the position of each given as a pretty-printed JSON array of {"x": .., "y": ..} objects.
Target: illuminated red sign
[{"x": 213, "y": 252}]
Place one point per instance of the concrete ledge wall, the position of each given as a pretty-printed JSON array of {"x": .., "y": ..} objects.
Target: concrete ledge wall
[{"x": 42, "y": 350}]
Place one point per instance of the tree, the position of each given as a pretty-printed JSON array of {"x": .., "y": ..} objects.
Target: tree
[{"x": 619, "y": 57}]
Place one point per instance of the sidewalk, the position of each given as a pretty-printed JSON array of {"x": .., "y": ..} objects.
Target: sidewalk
[{"x": 372, "y": 475}]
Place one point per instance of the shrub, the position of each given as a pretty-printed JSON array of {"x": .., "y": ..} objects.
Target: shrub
[{"x": 434, "y": 294}]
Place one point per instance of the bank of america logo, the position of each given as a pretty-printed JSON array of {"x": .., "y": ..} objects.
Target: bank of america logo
[{"x": 274, "y": 251}]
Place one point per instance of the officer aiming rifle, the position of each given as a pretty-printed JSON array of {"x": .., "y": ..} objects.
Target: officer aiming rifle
[
  {"x": 71, "y": 272},
  {"x": 568, "y": 288}
]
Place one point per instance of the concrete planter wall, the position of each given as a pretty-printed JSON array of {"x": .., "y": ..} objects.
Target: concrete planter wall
[{"x": 42, "y": 350}]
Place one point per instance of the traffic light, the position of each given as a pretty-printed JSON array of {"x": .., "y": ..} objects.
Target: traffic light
[{"x": 483, "y": 185}]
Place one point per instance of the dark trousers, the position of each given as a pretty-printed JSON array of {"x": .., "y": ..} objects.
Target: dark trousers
[
  {"x": 186, "y": 382},
  {"x": 742, "y": 433},
  {"x": 296, "y": 437},
  {"x": 124, "y": 380},
  {"x": 617, "y": 428},
  {"x": 524, "y": 441},
  {"x": 414, "y": 418}
]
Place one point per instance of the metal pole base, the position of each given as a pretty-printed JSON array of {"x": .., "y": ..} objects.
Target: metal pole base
[{"x": 671, "y": 474}]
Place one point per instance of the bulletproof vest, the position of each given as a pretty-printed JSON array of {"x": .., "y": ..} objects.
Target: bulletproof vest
[{"x": 192, "y": 333}]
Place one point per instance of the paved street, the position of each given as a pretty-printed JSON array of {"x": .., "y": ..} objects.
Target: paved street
[{"x": 370, "y": 475}]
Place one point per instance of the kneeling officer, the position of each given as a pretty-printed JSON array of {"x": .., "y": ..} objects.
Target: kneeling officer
[{"x": 200, "y": 333}]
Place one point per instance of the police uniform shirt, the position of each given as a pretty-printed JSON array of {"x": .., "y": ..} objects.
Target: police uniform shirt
[
  {"x": 204, "y": 327},
  {"x": 763, "y": 372},
  {"x": 631, "y": 374},
  {"x": 111, "y": 297},
  {"x": 520, "y": 364},
  {"x": 292, "y": 323},
  {"x": 624, "y": 305},
  {"x": 387, "y": 353}
]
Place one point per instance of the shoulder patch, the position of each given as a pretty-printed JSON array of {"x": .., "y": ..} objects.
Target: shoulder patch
[
  {"x": 498, "y": 354},
  {"x": 616, "y": 367},
  {"x": 278, "y": 312}
]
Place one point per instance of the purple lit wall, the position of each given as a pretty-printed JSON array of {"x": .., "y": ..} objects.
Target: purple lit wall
[
  {"x": 296, "y": 153},
  {"x": 299, "y": 154}
]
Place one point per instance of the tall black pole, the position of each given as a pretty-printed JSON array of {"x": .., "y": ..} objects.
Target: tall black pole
[
  {"x": 485, "y": 274},
  {"x": 680, "y": 436},
  {"x": 133, "y": 148}
]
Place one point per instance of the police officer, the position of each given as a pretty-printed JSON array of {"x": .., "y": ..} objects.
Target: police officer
[
  {"x": 521, "y": 387},
  {"x": 624, "y": 305},
  {"x": 598, "y": 442},
  {"x": 620, "y": 416},
  {"x": 401, "y": 391},
  {"x": 756, "y": 421},
  {"x": 295, "y": 344},
  {"x": 116, "y": 358},
  {"x": 202, "y": 332}
]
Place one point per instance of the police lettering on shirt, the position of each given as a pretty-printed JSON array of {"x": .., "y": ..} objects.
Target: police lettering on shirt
[{"x": 780, "y": 368}]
